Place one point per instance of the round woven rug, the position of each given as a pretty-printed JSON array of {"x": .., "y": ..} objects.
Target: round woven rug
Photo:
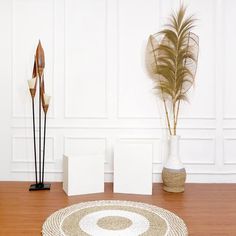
[{"x": 113, "y": 218}]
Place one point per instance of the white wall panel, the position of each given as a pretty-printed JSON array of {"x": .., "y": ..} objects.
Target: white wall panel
[
  {"x": 197, "y": 151},
  {"x": 31, "y": 21},
  {"x": 156, "y": 144},
  {"x": 136, "y": 21},
  {"x": 23, "y": 151},
  {"x": 95, "y": 71},
  {"x": 229, "y": 151},
  {"x": 6, "y": 88},
  {"x": 202, "y": 96},
  {"x": 84, "y": 146},
  {"x": 85, "y": 59},
  {"x": 229, "y": 61}
]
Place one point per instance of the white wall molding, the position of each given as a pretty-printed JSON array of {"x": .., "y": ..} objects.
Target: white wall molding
[
  {"x": 26, "y": 63},
  {"x": 154, "y": 142},
  {"x": 90, "y": 63},
  {"x": 152, "y": 7},
  {"x": 229, "y": 33},
  {"x": 52, "y": 171},
  {"x": 229, "y": 153},
  {"x": 101, "y": 93},
  {"x": 204, "y": 140},
  {"x": 112, "y": 123},
  {"x": 28, "y": 144},
  {"x": 23, "y": 155},
  {"x": 89, "y": 150}
]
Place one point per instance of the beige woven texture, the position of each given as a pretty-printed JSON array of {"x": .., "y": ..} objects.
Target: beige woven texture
[{"x": 173, "y": 180}]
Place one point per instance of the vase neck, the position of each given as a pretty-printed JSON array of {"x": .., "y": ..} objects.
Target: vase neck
[
  {"x": 174, "y": 161},
  {"x": 174, "y": 145}
]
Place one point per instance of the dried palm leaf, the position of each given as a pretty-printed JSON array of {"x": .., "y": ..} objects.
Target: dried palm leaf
[{"x": 171, "y": 59}]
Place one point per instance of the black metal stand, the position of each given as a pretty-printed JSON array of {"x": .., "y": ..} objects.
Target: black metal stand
[
  {"x": 44, "y": 138},
  {"x": 39, "y": 184},
  {"x": 40, "y": 129},
  {"x": 35, "y": 151}
]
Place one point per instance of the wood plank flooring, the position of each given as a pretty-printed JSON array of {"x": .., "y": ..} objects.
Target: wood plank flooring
[{"x": 207, "y": 209}]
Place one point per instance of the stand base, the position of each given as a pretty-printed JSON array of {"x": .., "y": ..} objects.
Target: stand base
[{"x": 41, "y": 186}]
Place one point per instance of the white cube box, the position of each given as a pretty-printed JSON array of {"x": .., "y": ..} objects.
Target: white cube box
[
  {"x": 133, "y": 168},
  {"x": 83, "y": 174}
]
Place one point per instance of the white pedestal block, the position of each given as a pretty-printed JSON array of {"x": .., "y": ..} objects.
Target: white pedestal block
[
  {"x": 133, "y": 168},
  {"x": 83, "y": 174}
]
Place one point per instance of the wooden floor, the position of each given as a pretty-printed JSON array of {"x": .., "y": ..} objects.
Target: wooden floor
[{"x": 207, "y": 209}]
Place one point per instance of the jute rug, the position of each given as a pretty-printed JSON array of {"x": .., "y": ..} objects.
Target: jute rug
[{"x": 113, "y": 218}]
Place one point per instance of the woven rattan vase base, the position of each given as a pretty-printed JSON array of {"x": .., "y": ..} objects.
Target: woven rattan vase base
[{"x": 173, "y": 180}]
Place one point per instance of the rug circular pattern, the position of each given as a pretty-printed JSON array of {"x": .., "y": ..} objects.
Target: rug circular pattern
[{"x": 113, "y": 218}]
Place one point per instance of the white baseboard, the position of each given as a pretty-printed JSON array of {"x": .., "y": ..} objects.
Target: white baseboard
[{"x": 191, "y": 178}]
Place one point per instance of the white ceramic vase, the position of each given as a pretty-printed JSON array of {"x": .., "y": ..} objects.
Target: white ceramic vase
[{"x": 173, "y": 173}]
